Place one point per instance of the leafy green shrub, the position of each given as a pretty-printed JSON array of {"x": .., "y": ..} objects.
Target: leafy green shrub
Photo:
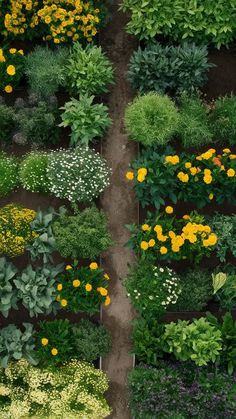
[
  {"x": 86, "y": 120},
  {"x": 89, "y": 71},
  {"x": 7, "y": 123},
  {"x": 74, "y": 390},
  {"x": 198, "y": 341},
  {"x": 33, "y": 172},
  {"x": 45, "y": 70},
  {"x": 180, "y": 19},
  {"x": 8, "y": 295},
  {"x": 15, "y": 344},
  {"x": 83, "y": 235},
  {"x": 169, "y": 69},
  {"x": 181, "y": 391},
  {"x": 147, "y": 341},
  {"x": 223, "y": 119},
  {"x": 151, "y": 119},
  {"x": 152, "y": 289},
  {"x": 196, "y": 290},
  {"x": 37, "y": 288},
  {"x": 225, "y": 289},
  {"x": 79, "y": 175},
  {"x": 85, "y": 341},
  {"x": 194, "y": 126},
  {"x": 225, "y": 229},
  {"x": 8, "y": 174}
]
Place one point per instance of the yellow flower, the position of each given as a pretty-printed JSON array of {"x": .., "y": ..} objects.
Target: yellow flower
[
  {"x": 232, "y": 156},
  {"x": 193, "y": 171},
  {"x": 188, "y": 165},
  {"x": 59, "y": 287},
  {"x": 54, "y": 351},
  {"x": 163, "y": 250},
  {"x": 107, "y": 301},
  {"x": 21, "y": 51},
  {"x": 140, "y": 178},
  {"x": 186, "y": 217},
  {"x": 93, "y": 266},
  {"x": 103, "y": 291},
  {"x": 207, "y": 179},
  {"x": 12, "y": 50},
  {"x": 226, "y": 150},
  {"x": 146, "y": 227},
  {"x": 151, "y": 243},
  {"x": 211, "y": 196},
  {"x": 88, "y": 287},
  {"x": 171, "y": 234},
  {"x": 183, "y": 177},
  {"x": 68, "y": 267},
  {"x": 172, "y": 159},
  {"x": 64, "y": 303},
  {"x": 222, "y": 167},
  {"x": 44, "y": 341},
  {"x": 158, "y": 229},
  {"x": 129, "y": 175},
  {"x": 76, "y": 283},
  {"x": 230, "y": 172},
  {"x": 106, "y": 276},
  {"x": 144, "y": 245},
  {"x": 169, "y": 210},
  {"x": 8, "y": 88},
  {"x": 11, "y": 70},
  {"x": 142, "y": 171}
]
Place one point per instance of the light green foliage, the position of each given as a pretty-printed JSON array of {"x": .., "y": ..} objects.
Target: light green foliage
[
  {"x": 33, "y": 172},
  {"x": 86, "y": 120},
  {"x": 8, "y": 295},
  {"x": 218, "y": 281},
  {"x": 152, "y": 119},
  {"x": 8, "y": 174},
  {"x": 224, "y": 286}
]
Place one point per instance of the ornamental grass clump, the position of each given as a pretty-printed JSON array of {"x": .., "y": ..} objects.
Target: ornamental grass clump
[
  {"x": 79, "y": 175},
  {"x": 152, "y": 119},
  {"x": 8, "y": 174},
  {"x": 33, "y": 172}
]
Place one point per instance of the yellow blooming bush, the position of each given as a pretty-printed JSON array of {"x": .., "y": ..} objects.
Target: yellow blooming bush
[
  {"x": 73, "y": 391},
  {"x": 164, "y": 237},
  {"x": 11, "y": 68},
  {"x": 161, "y": 177},
  {"x": 83, "y": 289},
  {"x": 15, "y": 230}
]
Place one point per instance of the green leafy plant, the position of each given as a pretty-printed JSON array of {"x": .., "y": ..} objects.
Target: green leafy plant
[
  {"x": 151, "y": 119},
  {"x": 152, "y": 289},
  {"x": 37, "y": 288},
  {"x": 223, "y": 120},
  {"x": 8, "y": 295},
  {"x": 7, "y": 124},
  {"x": 83, "y": 235},
  {"x": 224, "y": 286},
  {"x": 46, "y": 70},
  {"x": 16, "y": 344},
  {"x": 86, "y": 119},
  {"x": 169, "y": 69},
  {"x": 147, "y": 341},
  {"x": 89, "y": 71},
  {"x": 225, "y": 229},
  {"x": 8, "y": 174},
  {"x": 79, "y": 175},
  {"x": 33, "y": 172}
]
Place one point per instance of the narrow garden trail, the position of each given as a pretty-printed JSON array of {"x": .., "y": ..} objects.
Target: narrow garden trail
[{"x": 119, "y": 205}]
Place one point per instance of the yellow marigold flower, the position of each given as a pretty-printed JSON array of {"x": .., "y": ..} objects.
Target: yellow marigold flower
[
  {"x": 207, "y": 179},
  {"x": 211, "y": 196},
  {"x": 129, "y": 175},
  {"x": 88, "y": 287},
  {"x": 212, "y": 150},
  {"x": 144, "y": 245},
  {"x": 107, "y": 301},
  {"x": 230, "y": 172},
  {"x": 169, "y": 210},
  {"x": 158, "y": 229},
  {"x": 54, "y": 351},
  {"x": 163, "y": 250},
  {"x": 232, "y": 156},
  {"x": 76, "y": 283},
  {"x": 8, "y": 88},
  {"x": 172, "y": 159},
  {"x": 140, "y": 178},
  {"x": 103, "y": 291},
  {"x": 106, "y": 276},
  {"x": 188, "y": 165},
  {"x": 183, "y": 177},
  {"x": 193, "y": 171},
  {"x": 59, "y": 287},
  {"x": 146, "y": 227},
  {"x": 93, "y": 266},
  {"x": 171, "y": 234},
  {"x": 64, "y": 303},
  {"x": 142, "y": 171},
  {"x": 68, "y": 267},
  {"x": 12, "y": 50},
  {"x": 186, "y": 217},
  {"x": 44, "y": 341},
  {"x": 11, "y": 70},
  {"x": 175, "y": 249},
  {"x": 151, "y": 243},
  {"x": 226, "y": 150}
]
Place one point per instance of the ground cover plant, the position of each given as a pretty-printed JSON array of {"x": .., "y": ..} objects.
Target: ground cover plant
[{"x": 8, "y": 174}]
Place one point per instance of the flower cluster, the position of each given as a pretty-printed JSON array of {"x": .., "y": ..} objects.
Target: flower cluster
[
  {"x": 15, "y": 230},
  {"x": 83, "y": 288},
  {"x": 11, "y": 68}
]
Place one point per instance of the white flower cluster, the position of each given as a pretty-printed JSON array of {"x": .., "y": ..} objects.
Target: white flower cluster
[{"x": 171, "y": 285}]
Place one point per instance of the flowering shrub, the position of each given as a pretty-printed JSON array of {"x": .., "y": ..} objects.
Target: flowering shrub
[
  {"x": 11, "y": 68},
  {"x": 8, "y": 174},
  {"x": 73, "y": 391},
  {"x": 164, "y": 237},
  {"x": 186, "y": 177},
  {"x": 33, "y": 172},
  {"x": 15, "y": 230},
  {"x": 83, "y": 288}
]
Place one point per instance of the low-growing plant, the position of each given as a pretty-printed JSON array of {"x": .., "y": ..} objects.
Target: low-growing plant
[
  {"x": 7, "y": 124},
  {"x": 16, "y": 344},
  {"x": 223, "y": 120},
  {"x": 225, "y": 229},
  {"x": 152, "y": 119},
  {"x": 8, "y": 295},
  {"x": 8, "y": 174},
  {"x": 224, "y": 286},
  {"x": 152, "y": 289},
  {"x": 79, "y": 175},
  {"x": 33, "y": 172},
  {"x": 86, "y": 119},
  {"x": 169, "y": 69},
  {"x": 83, "y": 289},
  {"x": 89, "y": 71},
  {"x": 84, "y": 235},
  {"x": 11, "y": 68},
  {"x": 147, "y": 341}
]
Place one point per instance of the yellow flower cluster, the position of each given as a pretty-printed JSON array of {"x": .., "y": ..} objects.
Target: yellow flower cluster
[
  {"x": 10, "y": 62},
  {"x": 172, "y": 159},
  {"x": 15, "y": 231},
  {"x": 142, "y": 173}
]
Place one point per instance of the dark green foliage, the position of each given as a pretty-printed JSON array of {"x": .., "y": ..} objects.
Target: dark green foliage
[
  {"x": 223, "y": 120},
  {"x": 225, "y": 228},
  {"x": 147, "y": 341},
  {"x": 7, "y": 124}
]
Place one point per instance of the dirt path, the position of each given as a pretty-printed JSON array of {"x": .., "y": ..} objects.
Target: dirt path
[{"x": 121, "y": 209}]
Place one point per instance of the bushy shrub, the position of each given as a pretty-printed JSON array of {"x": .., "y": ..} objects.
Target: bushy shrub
[
  {"x": 194, "y": 126},
  {"x": 7, "y": 124},
  {"x": 152, "y": 289},
  {"x": 74, "y": 390},
  {"x": 147, "y": 341},
  {"x": 89, "y": 71},
  {"x": 181, "y": 19},
  {"x": 151, "y": 119},
  {"x": 225, "y": 228},
  {"x": 11, "y": 68},
  {"x": 45, "y": 70},
  {"x": 223, "y": 119},
  {"x": 84, "y": 235},
  {"x": 33, "y": 172},
  {"x": 86, "y": 120},
  {"x": 79, "y": 175},
  {"x": 8, "y": 295},
  {"x": 8, "y": 174},
  {"x": 169, "y": 69}
]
